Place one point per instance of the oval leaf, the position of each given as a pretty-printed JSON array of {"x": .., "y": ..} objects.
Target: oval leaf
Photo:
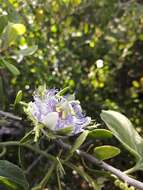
[
  {"x": 11, "y": 68},
  {"x": 20, "y": 29},
  {"x": 100, "y": 133},
  {"x": 106, "y": 152},
  {"x": 124, "y": 131},
  {"x": 26, "y": 52},
  {"x": 12, "y": 175},
  {"x": 10, "y": 34}
]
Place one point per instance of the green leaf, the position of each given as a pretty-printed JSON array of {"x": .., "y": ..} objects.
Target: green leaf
[
  {"x": 100, "y": 133},
  {"x": 18, "y": 97},
  {"x": 105, "y": 152},
  {"x": 7, "y": 36},
  {"x": 12, "y": 176},
  {"x": 26, "y": 52},
  {"x": 79, "y": 141},
  {"x": 11, "y": 68},
  {"x": 63, "y": 91},
  {"x": 20, "y": 29},
  {"x": 54, "y": 28},
  {"x": 124, "y": 131},
  {"x": 10, "y": 34},
  {"x": 6, "y": 184},
  {"x": 65, "y": 131}
]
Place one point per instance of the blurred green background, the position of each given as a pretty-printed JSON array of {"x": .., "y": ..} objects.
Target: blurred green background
[{"x": 93, "y": 46}]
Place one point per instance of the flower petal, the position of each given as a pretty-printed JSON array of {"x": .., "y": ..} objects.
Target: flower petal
[{"x": 51, "y": 120}]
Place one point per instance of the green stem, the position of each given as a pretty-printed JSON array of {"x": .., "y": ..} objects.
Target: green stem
[
  {"x": 23, "y": 103},
  {"x": 3, "y": 152},
  {"x": 83, "y": 174},
  {"x": 96, "y": 172},
  {"x": 45, "y": 180},
  {"x": 131, "y": 170},
  {"x": 48, "y": 175},
  {"x": 17, "y": 143},
  {"x": 58, "y": 180}
]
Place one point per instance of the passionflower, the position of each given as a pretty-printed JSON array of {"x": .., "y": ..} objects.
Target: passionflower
[{"x": 57, "y": 112}]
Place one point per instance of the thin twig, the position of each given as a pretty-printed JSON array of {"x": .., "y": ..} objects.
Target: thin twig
[
  {"x": 10, "y": 115},
  {"x": 34, "y": 163},
  {"x": 133, "y": 182}
]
